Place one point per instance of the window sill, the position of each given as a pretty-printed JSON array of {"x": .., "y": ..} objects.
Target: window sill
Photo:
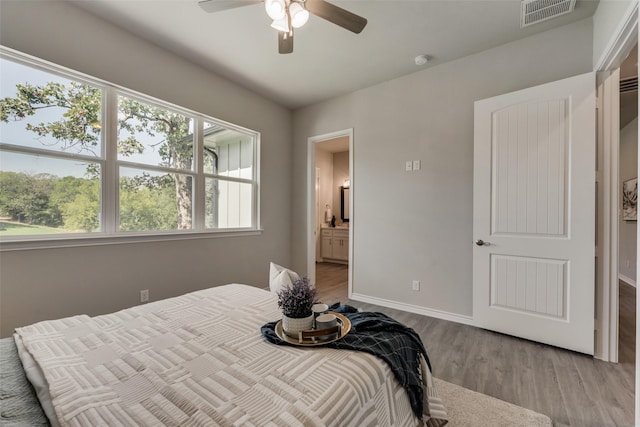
[{"x": 51, "y": 242}]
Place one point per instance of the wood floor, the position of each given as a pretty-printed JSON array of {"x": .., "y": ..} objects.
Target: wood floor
[
  {"x": 332, "y": 282},
  {"x": 571, "y": 388}
]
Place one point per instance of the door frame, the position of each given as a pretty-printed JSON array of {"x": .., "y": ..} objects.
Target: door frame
[
  {"x": 311, "y": 197},
  {"x": 316, "y": 226},
  {"x": 607, "y": 181},
  {"x": 608, "y": 142}
]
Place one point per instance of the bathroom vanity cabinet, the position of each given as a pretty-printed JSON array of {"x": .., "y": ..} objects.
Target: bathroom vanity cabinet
[{"x": 334, "y": 244}]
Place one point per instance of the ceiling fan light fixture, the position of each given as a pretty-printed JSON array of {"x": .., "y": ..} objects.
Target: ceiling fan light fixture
[
  {"x": 276, "y": 9},
  {"x": 421, "y": 59},
  {"x": 281, "y": 24},
  {"x": 299, "y": 15},
  {"x": 289, "y": 14}
]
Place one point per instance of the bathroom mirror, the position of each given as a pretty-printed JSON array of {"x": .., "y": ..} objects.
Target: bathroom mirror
[{"x": 344, "y": 204}]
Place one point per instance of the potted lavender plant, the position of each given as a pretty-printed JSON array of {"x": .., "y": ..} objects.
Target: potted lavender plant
[{"x": 296, "y": 302}]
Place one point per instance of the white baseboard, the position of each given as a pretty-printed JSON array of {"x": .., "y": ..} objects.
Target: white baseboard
[
  {"x": 627, "y": 280},
  {"x": 444, "y": 315}
]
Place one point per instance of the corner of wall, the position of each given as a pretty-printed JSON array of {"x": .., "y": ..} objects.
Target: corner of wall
[{"x": 615, "y": 32}]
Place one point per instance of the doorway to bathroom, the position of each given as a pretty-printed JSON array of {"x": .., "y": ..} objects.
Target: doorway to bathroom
[{"x": 331, "y": 215}]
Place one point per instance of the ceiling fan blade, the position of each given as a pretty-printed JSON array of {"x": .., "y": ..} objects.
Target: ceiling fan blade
[
  {"x": 211, "y": 6},
  {"x": 285, "y": 42},
  {"x": 336, "y": 15}
]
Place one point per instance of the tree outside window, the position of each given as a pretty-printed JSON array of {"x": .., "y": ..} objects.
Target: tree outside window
[{"x": 53, "y": 161}]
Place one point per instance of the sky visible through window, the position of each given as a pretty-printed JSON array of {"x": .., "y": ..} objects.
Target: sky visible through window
[{"x": 14, "y": 132}]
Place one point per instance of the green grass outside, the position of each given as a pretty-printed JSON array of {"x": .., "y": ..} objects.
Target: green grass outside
[{"x": 16, "y": 229}]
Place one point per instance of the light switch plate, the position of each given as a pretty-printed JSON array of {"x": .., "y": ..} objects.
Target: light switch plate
[{"x": 408, "y": 166}]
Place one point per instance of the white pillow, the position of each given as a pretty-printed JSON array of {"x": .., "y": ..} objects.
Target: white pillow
[{"x": 280, "y": 277}]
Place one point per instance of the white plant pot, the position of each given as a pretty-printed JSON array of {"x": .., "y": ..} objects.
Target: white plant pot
[{"x": 292, "y": 326}]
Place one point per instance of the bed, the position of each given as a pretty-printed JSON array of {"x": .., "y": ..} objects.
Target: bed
[{"x": 200, "y": 360}]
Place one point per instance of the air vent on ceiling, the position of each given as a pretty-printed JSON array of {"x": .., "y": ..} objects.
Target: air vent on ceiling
[
  {"x": 629, "y": 84},
  {"x": 535, "y": 11}
]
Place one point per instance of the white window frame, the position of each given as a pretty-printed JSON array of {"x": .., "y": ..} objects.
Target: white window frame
[{"x": 110, "y": 165}]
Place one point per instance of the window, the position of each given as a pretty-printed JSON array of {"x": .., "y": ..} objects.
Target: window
[
  {"x": 228, "y": 171},
  {"x": 155, "y": 166},
  {"x": 79, "y": 157}
]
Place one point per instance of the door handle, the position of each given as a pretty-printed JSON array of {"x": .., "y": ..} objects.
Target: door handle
[{"x": 481, "y": 242}]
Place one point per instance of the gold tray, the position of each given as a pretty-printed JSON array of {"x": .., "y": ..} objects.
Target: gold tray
[{"x": 344, "y": 330}]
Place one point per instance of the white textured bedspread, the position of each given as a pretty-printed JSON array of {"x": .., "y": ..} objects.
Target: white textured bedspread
[{"x": 199, "y": 360}]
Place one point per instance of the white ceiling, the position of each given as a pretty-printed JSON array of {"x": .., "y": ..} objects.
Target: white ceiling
[{"x": 327, "y": 60}]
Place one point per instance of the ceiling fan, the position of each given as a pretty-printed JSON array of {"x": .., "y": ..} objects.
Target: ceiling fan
[{"x": 290, "y": 14}]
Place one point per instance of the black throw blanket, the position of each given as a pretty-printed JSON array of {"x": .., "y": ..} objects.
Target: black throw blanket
[{"x": 382, "y": 336}]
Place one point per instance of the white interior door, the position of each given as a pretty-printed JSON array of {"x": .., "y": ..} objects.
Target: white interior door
[{"x": 534, "y": 213}]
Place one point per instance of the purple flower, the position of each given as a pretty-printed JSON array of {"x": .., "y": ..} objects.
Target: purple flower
[{"x": 296, "y": 301}]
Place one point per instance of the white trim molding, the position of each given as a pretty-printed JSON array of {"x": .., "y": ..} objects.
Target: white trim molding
[
  {"x": 56, "y": 242},
  {"x": 623, "y": 40},
  {"x": 606, "y": 310},
  {"x": 444, "y": 315},
  {"x": 628, "y": 280},
  {"x": 606, "y": 316}
]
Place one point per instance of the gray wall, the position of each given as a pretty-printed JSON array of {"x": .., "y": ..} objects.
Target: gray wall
[
  {"x": 628, "y": 229},
  {"x": 418, "y": 225},
  {"x": 606, "y": 22},
  {"x": 50, "y": 283}
]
